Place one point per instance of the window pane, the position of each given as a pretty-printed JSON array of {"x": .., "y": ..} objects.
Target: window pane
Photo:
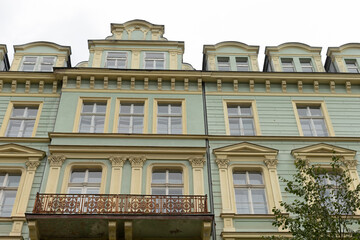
[
  {"x": 13, "y": 128},
  {"x": 245, "y": 110},
  {"x": 8, "y": 203},
  {"x": 46, "y": 68},
  {"x": 176, "y": 108},
  {"x": 242, "y": 201},
  {"x": 255, "y": 178},
  {"x": 124, "y": 125},
  {"x": 32, "y": 112},
  {"x": 139, "y": 108},
  {"x": 94, "y": 176},
  {"x": 100, "y": 108},
  {"x": 85, "y": 123},
  {"x": 116, "y": 55},
  {"x": 248, "y": 125},
  {"x": 259, "y": 201},
  {"x": 88, "y": 107},
  {"x": 28, "y": 128},
  {"x": 13, "y": 180},
  {"x": 155, "y": 55},
  {"x": 30, "y": 60},
  {"x": 77, "y": 177},
  {"x": 162, "y": 125},
  {"x": 149, "y": 64},
  {"x": 18, "y": 112},
  {"x": 234, "y": 126},
  {"x": 159, "y": 64},
  {"x": 320, "y": 127},
  {"x": 306, "y": 127},
  {"x": 163, "y": 108},
  {"x": 175, "y": 191},
  {"x": 138, "y": 124},
  {"x": 302, "y": 111},
  {"x": 92, "y": 190},
  {"x": 224, "y": 68},
  {"x": 99, "y": 124},
  {"x": 176, "y": 127},
  {"x": 315, "y": 111},
  {"x": 158, "y": 191},
  {"x": 110, "y": 63},
  {"x": 159, "y": 177},
  {"x": 175, "y": 177},
  {"x": 2, "y": 178},
  {"x": 125, "y": 108},
  {"x": 233, "y": 110},
  {"x": 74, "y": 190},
  {"x": 239, "y": 178}
]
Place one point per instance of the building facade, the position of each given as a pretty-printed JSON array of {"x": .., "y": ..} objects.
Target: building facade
[{"x": 136, "y": 144}]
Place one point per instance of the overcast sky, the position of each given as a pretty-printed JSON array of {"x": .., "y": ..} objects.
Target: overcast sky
[{"x": 317, "y": 23}]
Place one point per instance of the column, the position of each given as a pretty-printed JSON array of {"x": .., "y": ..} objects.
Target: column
[
  {"x": 198, "y": 175},
  {"x": 137, "y": 163},
  {"x": 117, "y": 163},
  {"x": 55, "y": 161},
  {"x": 271, "y": 163},
  {"x": 135, "y": 59},
  {"x": 224, "y": 185}
]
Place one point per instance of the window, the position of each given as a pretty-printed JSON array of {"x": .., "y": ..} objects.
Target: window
[
  {"x": 2, "y": 65},
  {"x": 306, "y": 65},
  {"x": 287, "y": 65},
  {"x": 92, "y": 119},
  {"x": 131, "y": 118},
  {"x": 85, "y": 181},
  {"x": 312, "y": 120},
  {"x": 223, "y": 63},
  {"x": 242, "y": 64},
  {"x": 351, "y": 65},
  {"x": 22, "y": 121},
  {"x": 116, "y": 60},
  {"x": 154, "y": 60},
  {"x": 169, "y": 118},
  {"x": 9, "y": 183},
  {"x": 250, "y": 194},
  {"x": 167, "y": 182},
  {"x": 241, "y": 119},
  {"x": 36, "y": 63}
]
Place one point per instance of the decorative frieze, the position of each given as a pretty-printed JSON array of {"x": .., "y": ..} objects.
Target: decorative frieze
[
  {"x": 222, "y": 162},
  {"x": 197, "y": 161},
  {"x": 56, "y": 160},
  {"x": 117, "y": 161}
]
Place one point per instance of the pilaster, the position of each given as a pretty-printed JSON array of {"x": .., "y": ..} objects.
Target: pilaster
[
  {"x": 55, "y": 161},
  {"x": 137, "y": 163},
  {"x": 117, "y": 163}
]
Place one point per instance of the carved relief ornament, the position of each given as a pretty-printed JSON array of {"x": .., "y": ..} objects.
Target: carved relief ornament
[
  {"x": 197, "y": 161},
  {"x": 271, "y": 162},
  {"x": 56, "y": 160},
  {"x": 32, "y": 165},
  {"x": 350, "y": 163},
  {"x": 222, "y": 162},
  {"x": 137, "y": 161},
  {"x": 117, "y": 161}
]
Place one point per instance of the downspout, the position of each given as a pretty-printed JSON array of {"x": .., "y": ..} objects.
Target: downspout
[{"x": 208, "y": 162}]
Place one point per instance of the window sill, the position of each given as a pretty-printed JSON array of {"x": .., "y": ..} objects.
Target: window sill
[{"x": 247, "y": 216}]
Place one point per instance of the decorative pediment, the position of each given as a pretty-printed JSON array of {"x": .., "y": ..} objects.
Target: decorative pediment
[
  {"x": 322, "y": 150},
  {"x": 246, "y": 148},
  {"x": 18, "y": 151}
]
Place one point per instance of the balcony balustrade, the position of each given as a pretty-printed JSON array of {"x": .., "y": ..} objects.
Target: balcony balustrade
[{"x": 119, "y": 204}]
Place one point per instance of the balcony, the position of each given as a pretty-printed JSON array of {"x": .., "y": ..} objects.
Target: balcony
[{"x": 113, "y": 216}]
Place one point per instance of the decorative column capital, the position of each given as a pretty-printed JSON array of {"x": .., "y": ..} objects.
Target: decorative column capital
[
  {"x": 271, "y": 162},
  {"x": 197, "y": 162},
  {"x": 117, "y": 161},
  {"x": 32, "y": 165},
  {"x": 222, "y": 162},
  {"x": 56, "y": 160},
  {"x": 350, "y": 163},
  {"x": 303, "y": 158},
  {"x": 137, "y": 161}
]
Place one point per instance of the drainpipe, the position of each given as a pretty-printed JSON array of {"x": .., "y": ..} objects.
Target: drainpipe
[{"x": 208, "y": 162}]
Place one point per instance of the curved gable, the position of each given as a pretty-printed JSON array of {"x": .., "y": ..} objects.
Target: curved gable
[
  {"x": 43, "y": 47},
  {"x": 293, "y": 48}
]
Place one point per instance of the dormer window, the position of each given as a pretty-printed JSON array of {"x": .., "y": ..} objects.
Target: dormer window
[
  {"x": 116, "y": 60},
  {"x": 154, "y": 60},
  {"x": 306, "y": 65},
  {"x": 287, "y": 65},
  {"x": 37, "y": 63},
  {"x": 242, "y": 64},
  {"x": 223, "y": 63},
  {"x": 351, "y": 66}
]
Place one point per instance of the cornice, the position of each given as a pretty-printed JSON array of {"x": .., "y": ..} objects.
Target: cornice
[
  {"x": 23, "y": 76},
  {"x": 24, "y": 139},
  {"x": 142, "y": 43}
]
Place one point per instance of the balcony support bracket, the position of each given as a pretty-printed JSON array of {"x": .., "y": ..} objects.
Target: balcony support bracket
[
  {"x": 128, "y": 230},
  {"x": 112, "y": 230}
]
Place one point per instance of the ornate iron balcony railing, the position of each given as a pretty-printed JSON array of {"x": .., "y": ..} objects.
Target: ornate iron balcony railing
[{"x": 119, "y": 204}]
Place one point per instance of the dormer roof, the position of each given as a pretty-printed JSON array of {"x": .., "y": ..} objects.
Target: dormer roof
[{"x": 294, "y": 48}]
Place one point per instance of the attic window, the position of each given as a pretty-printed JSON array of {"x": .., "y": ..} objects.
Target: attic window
[{"x": 223, "y": 63}]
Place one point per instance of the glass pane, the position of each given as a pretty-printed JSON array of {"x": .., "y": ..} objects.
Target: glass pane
[
  {"x": 46, "y": 67},
  {"x": 149, "y": 64},
  {"x": 159, "y": 177},
  {"x": 49, "y": 60},
  {"x": 255, "y": 178},
  {"x": 163, "y": 108},
  {"x": 155, "y": 55},
  {"x": 28, "y": 128},
  {"x": 306, "y": 127},
  {"x": 353, "y": 70},
  {"x": 74, "y": 190},
  {"x": 259, "y": 201},
  {"x": 175, "y": 191},
  {"x": 288, "y": 69},
  {"x": 88, "y": 107},
  {"x": 175, "y": 177},
  {"x": 159, "y": 64},
  {"x": 139, "y": 108},
  {"x": 233, "y": 110},
  {"x": 121, "y": 63},
  {"x": 85, "y": 123},
  {"x": 223, "y": 60},
  {"x": 125, "y": 108},
  {"x": 320, "y": 127},
  {"x": 241, "y": 60},
  {"x": 138, "y": 124},
  {"x": 158, "y": 191},
  {"x": 245, "y": 111},
  {"x": 116, "y": 55},
  {"x": 13, "y": 128},
  {"x": 302, "y": 111},
  {"x": 18, "y": 112},
  {"x": 248, "y": 125},
  {"x": 28, "y": 67},
  {"x": 242, "y": 201},
  {"x": 32, "y": 111},
  {"x": 239, "y": 178},
  {"x": 13, "y": 180},
  {"x": 92, "y": 190},
  {"x": 162, "y": 125},
  {"x": 242, "y": 68},
  {"x": 94, "y": 177},
  {"x": 110, "y": 63},
  {"x": 99, "y": 124},
  {"x": 124, "y": 125},
  {"x": 223, "y": 68},
  {"x": 307, "y": 69},
  {"x": 176, "y": 108},
  {"x": 8, "y": 203},
  {"x": 176, "y": 127},
  {"x": 77, "y": 176},
  {"x": 30, "y": 60},
  {"x": 315, "y": 111},
  {"x": 234, "y": 126},
  {"x": 2, "y": 178},
  {"x": 100, "y": 108}
]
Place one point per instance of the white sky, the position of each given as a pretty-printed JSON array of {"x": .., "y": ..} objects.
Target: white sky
[{"x": 320, "y": 23}]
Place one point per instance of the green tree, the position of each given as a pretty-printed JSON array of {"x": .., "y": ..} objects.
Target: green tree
[{"x": 324, "y": 206}]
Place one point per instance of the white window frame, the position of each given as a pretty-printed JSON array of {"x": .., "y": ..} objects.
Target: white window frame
[
  {"x": 306, "y": 61},
  {"x": 242, "y": 64},
  {"x": 23, "y": 120},
  {"x": 353, "y": 66},
  {"x": 287, "y": 60},
  {"x": 223, "y": 64},
  {"x": 249, "y": 187},
  {"x": 241, "y": 117},
  {"x": 38, "y": 63},
  {"x": 167, "y": 185},
  {"x": 154, "y": 60},
  {"x": 85, "y": 185},
  {"x": 132, "y": 115},
  {"x": 170, "y": 115},
  {"x": 311, "y": 118},
  {"x": 116, "y": 59},
  {"x": 93, "y": 114},
  {"x": 4, "y": 188}
]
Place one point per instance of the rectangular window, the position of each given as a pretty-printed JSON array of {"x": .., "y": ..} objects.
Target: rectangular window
[
  {"x": 167, "y": 182},
  {"x": 92, "y": 117},
  {"x": 116, "y": 60},
  {"x": 312, "y": 120},
  {"x": 2, "y": 65},
  {"x": 169, "y": 118},
  {"x": 351, "y": 65},
  {"x": 154, "y": 60},
  {"x": 9, "y": 183},
  {"x": 250, "y": 194},
  {"x": 242, "y": 64},
  {"x": 22, "y": 121},
  {"x": 223, "y": 63},
  {"x": 37, "y": 63},
  {"x": 85, "y": 181},
  {"x": 131, "y": 118},
  {"x": 241, "y": 119},
  {"x": 306, "y": 65},
  {"x": 287, "y": 65}
]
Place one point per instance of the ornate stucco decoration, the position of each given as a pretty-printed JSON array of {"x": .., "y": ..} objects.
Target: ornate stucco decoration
[
  {"x": 117, "y": 161},
  {"x": 56, "y": 160},
  {"x": 137, "y": 161},
  {"x": 222, "y": 162},
  {"x": 350, "y": 163},
  {"x": 32, "y": 165},
  {"x": 197, "y": 162},
  {"x": 271, "y": 162}
]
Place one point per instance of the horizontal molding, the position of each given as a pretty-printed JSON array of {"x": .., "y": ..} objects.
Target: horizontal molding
[{"x": 25, "y": 139}]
